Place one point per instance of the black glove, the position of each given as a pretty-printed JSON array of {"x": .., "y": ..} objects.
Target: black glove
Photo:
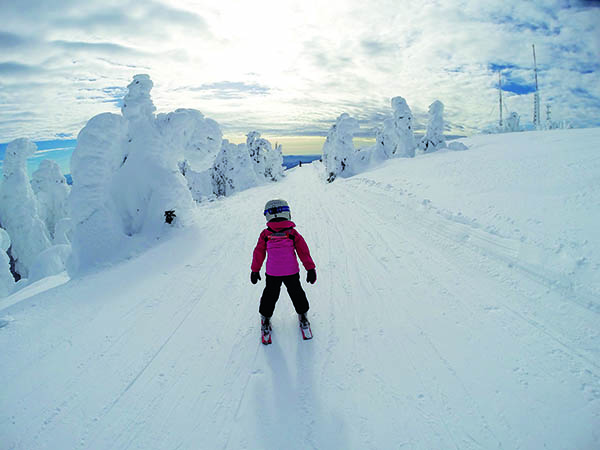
[
  {"x": 311, "y": 276},
  {"x": 254, "y": 277}
]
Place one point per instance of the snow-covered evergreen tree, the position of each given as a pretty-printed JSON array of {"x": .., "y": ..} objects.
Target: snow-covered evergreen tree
[
  {"x": 199, "y": 137},
  {"x": 233, "y": 169},
  {"x": 7, "y": 281},
  {"x": 150, "y": 181},
  {"x": 396, "y": 138},
  {"x": 434, "y": 137},
  {"x": 137, "y": 103},
  {"x": 52, "y": 190},
  {"x": 512, "y": 123},
  {"x": 19, "y": 208},
  {"x": 268, "y": 162},
  {"x": 338, "y": 149},
  {"x": 99, "y": 154},
  {"x": 274, "y": 161},
  {"x": 126, "y": 173}
]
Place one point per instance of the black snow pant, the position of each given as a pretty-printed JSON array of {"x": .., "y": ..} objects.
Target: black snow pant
[{"x": 271, "y": 294}]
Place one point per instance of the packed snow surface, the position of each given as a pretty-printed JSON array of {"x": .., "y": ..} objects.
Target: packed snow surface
[{"x": 457, "y": 306}]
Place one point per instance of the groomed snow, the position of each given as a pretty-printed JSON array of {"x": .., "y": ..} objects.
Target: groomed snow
[{"x": 457, "y": 306}]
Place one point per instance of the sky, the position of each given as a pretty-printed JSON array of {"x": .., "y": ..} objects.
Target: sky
[{"x": 290, "y": 68}]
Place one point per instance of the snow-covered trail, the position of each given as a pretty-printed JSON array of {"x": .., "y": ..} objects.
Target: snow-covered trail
[{"x": 428, "y": 334}]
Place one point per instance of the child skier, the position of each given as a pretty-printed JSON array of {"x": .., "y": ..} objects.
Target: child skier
[{"x": 280, "y": 242}]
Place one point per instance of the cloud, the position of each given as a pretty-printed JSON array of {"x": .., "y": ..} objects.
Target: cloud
[
  {"x": 286, "y": 68},
  {"x": 12, "y": 69},
  {"x": 11, "y": 40},
  {"x": 228, "y": 89},
  {"x": 97, "y": 48},
  {"x": 376, "y": 47}
]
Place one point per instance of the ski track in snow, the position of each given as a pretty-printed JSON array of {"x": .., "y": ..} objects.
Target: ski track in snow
[{"x": 429, "y": 333}]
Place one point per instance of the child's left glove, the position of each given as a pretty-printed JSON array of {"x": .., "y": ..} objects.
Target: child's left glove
[
  {"x": 311, "y": 276},
  {"x": 254, "y": 277}
]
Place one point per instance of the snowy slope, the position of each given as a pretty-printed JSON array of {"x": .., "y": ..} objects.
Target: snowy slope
[{"x": 456, "y": 306}]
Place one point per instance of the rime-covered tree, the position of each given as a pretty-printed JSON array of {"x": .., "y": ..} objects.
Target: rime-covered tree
[
  {"x": 233, "y": 169},
  {"x": 199, "y": 137},
  {"x": 396, "y": 138},
  {"x": 338, "y": 149},
  {"x": 7, "y": 281},
  {"x": 267, "y": 161},
  {"x": 512, "y": 123},
  {"x": 98, "y": 229},
  {"x": 19, "y": 208},
  {"x": 52, "y": 191},
  {"x": 434, "y": 137},
  {"x": 150, "y": 181}
]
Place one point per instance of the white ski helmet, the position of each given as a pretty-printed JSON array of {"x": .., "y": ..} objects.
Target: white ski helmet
[{"x": 278, "y": 208}]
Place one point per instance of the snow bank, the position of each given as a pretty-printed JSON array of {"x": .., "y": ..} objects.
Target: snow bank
[{"x": 19, "y": 208}]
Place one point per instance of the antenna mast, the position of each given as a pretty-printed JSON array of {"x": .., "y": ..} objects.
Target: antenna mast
[
  {"x": 500, "y": 93},
  {"x": 536, "y": 95}
]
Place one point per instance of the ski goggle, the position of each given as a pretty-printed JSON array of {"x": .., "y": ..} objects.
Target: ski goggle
[{"x": 276, "y": 210}]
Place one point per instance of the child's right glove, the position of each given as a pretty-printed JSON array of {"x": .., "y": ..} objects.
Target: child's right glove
[
  {"x": 311, "y": 276},
  {"x": 254, "y": 277}
]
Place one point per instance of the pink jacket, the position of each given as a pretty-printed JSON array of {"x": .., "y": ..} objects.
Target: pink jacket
[{"x": 281, "y": 250}]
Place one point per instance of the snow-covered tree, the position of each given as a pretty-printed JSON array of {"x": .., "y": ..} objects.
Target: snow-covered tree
[
  {"x": 396, "y": 138},
  {"x": 268, "y": 162},
  {"x": 233, "y": 170},
  {"x": 150, "y": 181},
  {"x": 338, "y": 149},
  {"x": 52, "y": 190},
  {"x": 434, "y": 137},
  {"x": 137, "y": 103},
  {"x": 99, "y": 154},
  {"x": 199, "y": 137},
  {"x": 7, "y": 281},
  {"x": 200, "y": 140},
  {"x": 126, "y": 174},
  {"x": 512, "y": 123},
  {"x": 19, "y": 208}
]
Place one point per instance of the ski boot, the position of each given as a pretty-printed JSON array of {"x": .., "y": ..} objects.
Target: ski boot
[
  {"x": 265, "y": 328},
  {"x": 305, "y": 327}
]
